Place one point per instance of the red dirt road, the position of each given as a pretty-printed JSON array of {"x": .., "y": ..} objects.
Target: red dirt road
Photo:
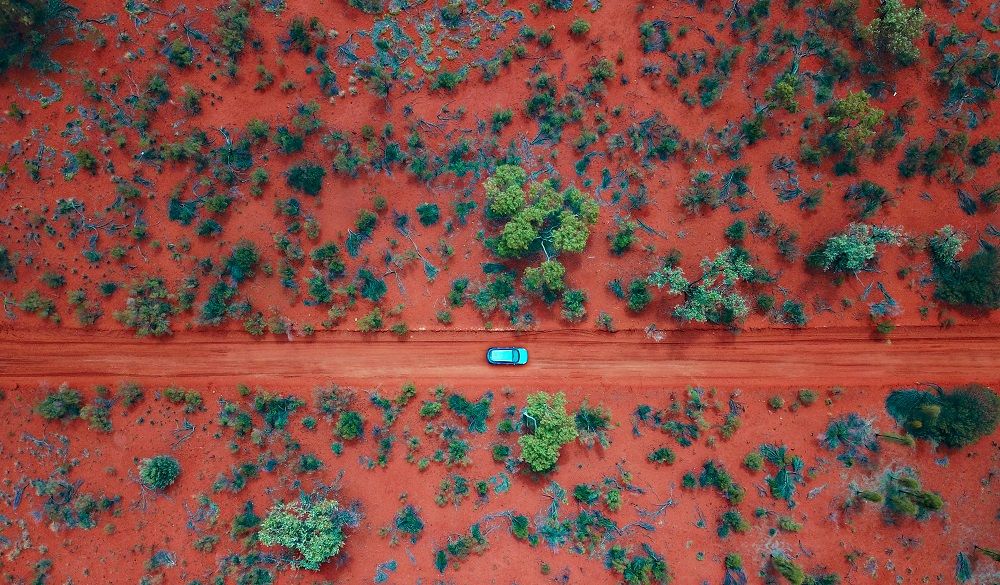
[{"x": 559, "y": 359}]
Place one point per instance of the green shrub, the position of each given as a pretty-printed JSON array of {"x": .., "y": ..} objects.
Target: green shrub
[
  {"x": 754, "y": 461},
  {"x": 314, "y": 530},
  {"x": 788, "y": 569},
  {"x": 408, "y": 521},
  {"x": 974, "y": 282},
  {"x": 159, "y": 472},
  {"x": 586, "y": 493},
  {"x": 662, "y": 455},
  {"x": 64, "y": 404},
  {"x": 98, "y": 416},
  {"x": 429, "y": 213},
  {"x": 350, "y": 426},
  {"x": 24, "y": 28},
  {"x": 551, "y": 428},
  {"x": 579, "y": 27},
  {"x": 956, "y": 418},
  {"x": 306, "y": 177},
  {"x": 148, "y": 309}
]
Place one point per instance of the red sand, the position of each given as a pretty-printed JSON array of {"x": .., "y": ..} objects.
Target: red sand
[{"x": 914, "y": 551}]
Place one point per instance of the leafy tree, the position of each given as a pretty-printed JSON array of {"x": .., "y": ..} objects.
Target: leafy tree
[
  {"x": 63, "y": 404},
  {"x": 853, "y": 250},
  {"x": 313, "y": 529},
  {"x": 852, "y": 122},
  {"x": 159, "y": 472},
  {"x": 545, "y": 280},
  {"x": 894, "y": 30},
  {"x": 535, "y": 214},
  {"x": 712, "y": 297},
  {"x": 551, "y": 427},
  {"x": 956, "y": 418}
]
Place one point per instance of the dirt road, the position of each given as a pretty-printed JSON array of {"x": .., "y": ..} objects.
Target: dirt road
[{"x": 559, "y": 359}]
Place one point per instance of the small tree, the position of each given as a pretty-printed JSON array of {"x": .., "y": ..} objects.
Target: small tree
[
  {"x": 712, "y": 297},
  {"x": 852, "y": 122},
  {"x": 895, "y": 29},
  {"x": 551, "y": 428},
  {"x": 853, "y": 250},
  {"x": 313, "y": 529},
  {"x": 160, "y": 472}
]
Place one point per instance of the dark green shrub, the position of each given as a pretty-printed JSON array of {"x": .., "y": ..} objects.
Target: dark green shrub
[
  {"x": 408, "y": 521},
  {"x": 350, "y": 426},
  {"x": 956, "y": 418},
  {"x": 662, "y": 455},
  {"x": 306, "y": 177},
  {"x": 429, "y": 213},
  {"x": 159, "y": 472},
  {"x": 974, "y": 282},
  {"x": 63, "y": 404},
  {"x": 148, "y": 309},
  {"x": 24, "y": 28}
]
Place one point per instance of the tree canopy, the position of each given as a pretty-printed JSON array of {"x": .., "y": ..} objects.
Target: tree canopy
[
  {"x": 712, "y": 297},
  {"x": 552, "y": 428},
  {"x": 956, "y": 418},
  {"x": 853, "y": 250},
  {"x": 535, "y": 214},
  {"x": 314, "y": 530}
]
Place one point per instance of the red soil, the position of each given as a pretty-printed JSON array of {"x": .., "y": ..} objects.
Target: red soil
[
  {"x": 231, "y": 103},
  {"x": 105, "y": 463},
  {"x": 620, "y": 371}
]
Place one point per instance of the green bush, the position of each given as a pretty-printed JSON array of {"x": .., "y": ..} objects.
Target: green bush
[
  {"x": 148, "y": 309},
  {"x": 974, "y": 282},
  {"x": 160, "y": 472},
  {"x": 853, "y": 250},
  {"x": 350, "y": 425},
  {"x": 429, "y": 213},
  {"x": 662, "y": 455},
  {"x": 63, "y": 404},
  {"x": 242, "y": 261},
  {"x": 579, "y": 27},
  {"x": 306, "y": 177},
  {"x": 24, "y": 27},
  {"x": 408, "y": 521},
  {"x": 315, "y": 530},
  {"x": 956, "y": 418},
  {"x": 551, "y": 428}
]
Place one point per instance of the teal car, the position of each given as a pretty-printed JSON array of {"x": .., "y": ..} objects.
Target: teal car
[{"x": 507, "y": 356}]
